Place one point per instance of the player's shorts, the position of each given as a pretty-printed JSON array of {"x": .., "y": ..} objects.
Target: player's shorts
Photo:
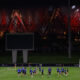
[
  {"x": 42, "y": 73},
  {"x": 49, "y": 73},
  {"x": 19, "y": 72},
  {"x": 57, "y": 71},
  {"x": 62, "y": 71},
  {"x": 24, "y": 72},
  {"x": 30, "y": 73},
  {"x": 65, "y": 72}
]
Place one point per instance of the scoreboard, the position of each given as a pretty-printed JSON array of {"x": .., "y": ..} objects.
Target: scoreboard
[{"x": 19, "y": 41}]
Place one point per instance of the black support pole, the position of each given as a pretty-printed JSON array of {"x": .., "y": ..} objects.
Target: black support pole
[{"x": 69, "y": 31}]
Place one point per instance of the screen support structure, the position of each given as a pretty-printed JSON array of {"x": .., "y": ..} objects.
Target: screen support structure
[
  {"x": 25, "y": 56},
  {"x": 14, "y": 56}
]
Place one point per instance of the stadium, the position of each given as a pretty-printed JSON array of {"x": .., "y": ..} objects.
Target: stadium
[{"x": 40, "y": 40}]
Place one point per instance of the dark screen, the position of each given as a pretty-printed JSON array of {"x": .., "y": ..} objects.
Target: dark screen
[{"x": 19, "y": 41}]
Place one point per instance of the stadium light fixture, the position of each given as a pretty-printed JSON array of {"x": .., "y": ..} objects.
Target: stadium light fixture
[
  {"x": 74, "y": 6},
  {"x": 77, "y": 10}
]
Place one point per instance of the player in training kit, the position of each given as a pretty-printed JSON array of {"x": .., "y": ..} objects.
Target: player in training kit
[
  {"x": 31, "y": 72},
  {"x": 39, "y": 68},
  {"x": 42, "y": 71},
  {"x": 66, "y": 72},
  {"x": 62, "y": 70},
  {"x": 49, "y": 71},
  {"x": 19, "y": 71},
  {"x": 34, "y": 71},
  {"x": 25, "y": 71},
  {"x": 57, "y": 70}
]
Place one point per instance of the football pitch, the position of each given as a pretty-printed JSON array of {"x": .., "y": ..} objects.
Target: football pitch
[{"x": 10, "y": 73}]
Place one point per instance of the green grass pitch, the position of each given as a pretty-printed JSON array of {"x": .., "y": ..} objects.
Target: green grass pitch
[{"x": 10, "y": 73}]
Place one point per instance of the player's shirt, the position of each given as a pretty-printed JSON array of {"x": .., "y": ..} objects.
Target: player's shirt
[
  {"x": 34, "y": 71},
  {"x": 42, "y": 71},
  {"x": 49, "y": 70},
  {"x": 65, "y": 71},
  {"x": 23, "y": 70},
  {"x": 57, "y": 69},
  {"x": 19, "y": 71},
  {"x": 40, "y": 68},
  {"x": 62, "y": 69},
  {"x": 31, "y": 71}
]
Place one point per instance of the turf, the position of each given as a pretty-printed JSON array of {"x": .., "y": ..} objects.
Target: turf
[
  {"x": 41, "y": 59},
  {"x": 10, "y": 73}
]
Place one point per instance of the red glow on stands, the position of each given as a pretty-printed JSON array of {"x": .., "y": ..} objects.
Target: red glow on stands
[
  {"x": 74, "y": 22},
  {"x": 26, "y": 21},
  {"x": 30, "y": 24},
  {"x": 3, "y": 18},
  {"x": 15, "y": 22},
  {"x": 41, "y": 15},
  {"x": 33, "y": 22}
]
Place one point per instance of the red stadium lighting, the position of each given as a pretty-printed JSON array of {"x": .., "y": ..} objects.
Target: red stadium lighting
[{"x": 16, "y": 21}]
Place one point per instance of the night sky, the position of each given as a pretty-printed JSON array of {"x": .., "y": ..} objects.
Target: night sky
[
  {"x": 31, "y": 3},
  {"x": 35, "y": 3}
]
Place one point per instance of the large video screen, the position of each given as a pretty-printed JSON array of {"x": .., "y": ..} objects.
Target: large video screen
[{"x": 20, "y": 41}]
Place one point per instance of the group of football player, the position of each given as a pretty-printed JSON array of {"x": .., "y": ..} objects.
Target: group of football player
[{"x": 41, "y": 70}]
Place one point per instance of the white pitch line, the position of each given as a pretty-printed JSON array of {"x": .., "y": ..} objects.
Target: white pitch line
[{"x": 8, "y": 69}]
